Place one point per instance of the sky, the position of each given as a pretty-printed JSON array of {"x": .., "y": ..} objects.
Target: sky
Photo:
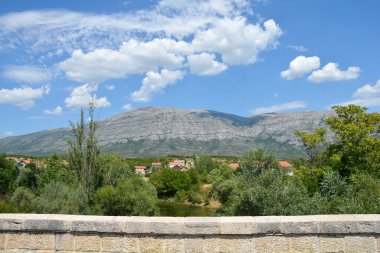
[{"x": 244, "y": 57}]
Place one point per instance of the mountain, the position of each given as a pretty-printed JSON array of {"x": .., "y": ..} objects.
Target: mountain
[{"x": 164, "y": 131}]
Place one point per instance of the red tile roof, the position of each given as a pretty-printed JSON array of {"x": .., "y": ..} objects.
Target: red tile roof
[
  {"x": 156, "y": 164},
  {"x": 140, "y": 167},
  {"x": 234, "y": 166},
  {"x": 285, "y": 164}
]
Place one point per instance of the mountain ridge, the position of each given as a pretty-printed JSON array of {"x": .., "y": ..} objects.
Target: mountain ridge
[{"x": 153, "y": 131}]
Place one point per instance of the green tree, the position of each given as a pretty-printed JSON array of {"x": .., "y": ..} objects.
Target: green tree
[
  {"x": 29, "y": 177},
  {"x": 131, "y": 196},
  {"x": 255, "y": 162},
  {"x": 83, "y": 150},
  {"x": 8, "y": 175},
  {"x": 113, "y": 168},
  {"x": 314, "y": 144}
]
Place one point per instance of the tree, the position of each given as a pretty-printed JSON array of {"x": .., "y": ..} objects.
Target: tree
[
  {"x": 255, "y": 162},
  {"x": 83, "y": 150},
  {"x": 314, "y": 144},
  {"x": 357, "y": 142},
  {"x": 8, "y": 174}
]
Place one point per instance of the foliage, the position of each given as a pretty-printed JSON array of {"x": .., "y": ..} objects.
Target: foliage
[
  {"x": 8, "y": 175},
  {"x": 131, "y": 196},
  {"x": 28, "y": 177},
  {"x": 258, "y": 161},
  {"x": 23, "y": 199},
  {"x": 56, "y": 170},
  {"x": 83, "y": 151},
  {"x": 314, "y": 144},
  {"x": 224, "y": 183},
  {"x": 113, "y": 168},
  {"x": 58, "y": 197}
]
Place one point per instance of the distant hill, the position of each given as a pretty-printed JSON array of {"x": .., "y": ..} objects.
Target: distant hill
[{"x": 164, "y": 131}]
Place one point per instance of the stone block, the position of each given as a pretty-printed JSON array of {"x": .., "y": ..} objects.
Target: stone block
[
  {"x": 133, "y": 244},
  {"x": 149, "y": 244},
  {"x": 242, "y": 243},
  {"x": 360, "y": 244},
  {"x": 367, "y": 227},
  {"x": 17, "y": 241},
  {"x": 237, "y": 226},
  {"x": 115, "y": 243},
  {"x": 300, "y": 228},
  {"x": 201, "y": 226},
  {"x": 211, "y": 244},
  {"x": 303, "y": 243},
  {"x": 46, "y": 225},
  {"x": 174, "y": 244},
  {"x": 12, "y": 224},
  {"x": 42, "y": 241},
  {"x": 167, "y": 226},
  {"x": 137, "y": 225},
  {"x": 193, "y": 244},
  {"x": 331, "y": 244},
  {"x": 2, "y": 241},
  {"x": 339, "y": 227},
  {"x": 270, "y": 228},
  {"x": 97, "y": 224},
  {"x": 87, "y": 242},
  {"x": 272, "y": 244},
  {"x": 64, "y": 242}
]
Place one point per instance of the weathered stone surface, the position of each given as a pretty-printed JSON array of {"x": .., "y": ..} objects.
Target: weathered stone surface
[
  {"x": 202, "y": 225},
  {"x": 17, "y": 241},
  {"x": 97, "y": 224},
  {"x": 193, "y": 244},
  {"x": 360, "y": 244},
  {"x": 56, "y": 223},
  {"x": 272, "y": 244},
  {"x": 300, "y": 227},
  {"x": 87, "y": 242},
  {"x": 174, "y": 244},
  {"x": 64, "y": 242},
  {"x": 331, "y": 244},
  {"x": 168, "y": 225},
  {"x": 242, "y": 243},
  {"x": 150, "y": 244},
  {"x": 42, "y": 241},
  {"x": 304, "y": 244},
  {"x": 2, "y": 241},
  {"x": 237, "y": 225}
]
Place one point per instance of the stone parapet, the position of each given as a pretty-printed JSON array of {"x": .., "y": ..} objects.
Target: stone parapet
[{"x": 73, "y": 233}]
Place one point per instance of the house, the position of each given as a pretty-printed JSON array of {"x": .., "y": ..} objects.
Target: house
[
  {"x": 181, "y": 163},
  {"x": 174, "y": 165},
  {"x": 287, "y": 166},
  {"x": 22, "y": 163},
  {"x": 141, "y": 170},
  {"x": 234, "y": 166},
  {"x": 155, "y": 166}
]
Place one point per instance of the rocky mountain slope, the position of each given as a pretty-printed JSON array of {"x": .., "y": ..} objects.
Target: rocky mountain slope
[{"x": 163, "y": 131}]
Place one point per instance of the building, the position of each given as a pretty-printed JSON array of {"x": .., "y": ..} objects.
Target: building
[
  {"x": 287, "y": 166},
  {"x": 155, "y": 166},
  {"x": 22, "y": 163},
  {"x": 234, "y": 166},
  {"x": 141, "y": 170}
]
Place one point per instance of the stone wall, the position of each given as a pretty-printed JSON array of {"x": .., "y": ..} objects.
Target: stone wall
[{"x": 66, "y": 233}]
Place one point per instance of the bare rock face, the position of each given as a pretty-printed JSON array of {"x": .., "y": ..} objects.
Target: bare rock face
[{"x": 163, "y": 131}]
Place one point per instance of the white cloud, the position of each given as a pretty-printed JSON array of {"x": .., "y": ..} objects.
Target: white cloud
[
  {"x": 133, "y": 57},
  {"x": 155, "y": 82},
  {"x": 204, "y": 64},
  {"x": 113, "y": 46},
  {"x": 298, "y": 48},
  {"x": 236, "y": 40},
  {"x": 22, "y": 97},
  {"x": 331, "y": 72},
  {"x": 26, "y": 74},
  {"x": 56, "y": 112},
  {"x": 300, "y": 66},
  {"x": 279, "y": 107},
  {"x": 367, "y": 95},
  {"x": 83, "y": 95},
  {"x": 110, "y": 86},
  {"x": 128, "y": 107}
]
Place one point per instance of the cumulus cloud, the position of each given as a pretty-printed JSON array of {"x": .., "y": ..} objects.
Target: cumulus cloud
[
  {"x": 173, "y": 34},
  {"x": 56, "y": 112},
  {"x": 279, "y": 107},
  {"x": 128, "y": 107},
  {"x": 300, "y": 66},
  {"x": 367, "y": 95},
  {"x": 204, "y": 64},
  {"x": 83, "y": 95},
  {"x": 331, "y": 72},
  {"x": 155, "y": 82},
  {"x": 23, "y": 98},
  {"x": 26, "y": 74}
]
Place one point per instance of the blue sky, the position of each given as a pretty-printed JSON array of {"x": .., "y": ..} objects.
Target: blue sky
[{"x": 238, "y": 56}]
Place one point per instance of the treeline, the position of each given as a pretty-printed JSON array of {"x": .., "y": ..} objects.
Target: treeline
[
  {"x": 342, "y": 176},
  {"x": 338, "y": 176}
]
